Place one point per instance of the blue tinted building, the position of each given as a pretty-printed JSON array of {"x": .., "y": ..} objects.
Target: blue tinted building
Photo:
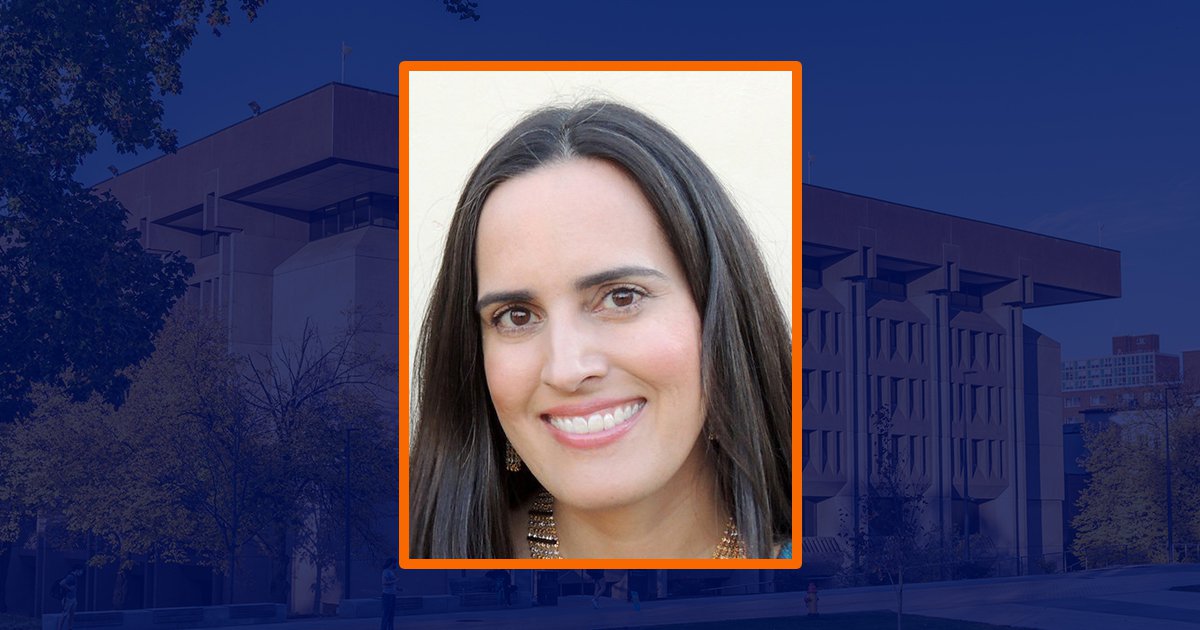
[{"x": 920, "y": 315}]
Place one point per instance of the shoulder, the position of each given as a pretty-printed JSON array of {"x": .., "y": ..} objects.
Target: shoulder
[{"x": 783, "y": 551}]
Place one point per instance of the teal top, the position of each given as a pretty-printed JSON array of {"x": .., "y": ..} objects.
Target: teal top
[{"x": 785, "y": 552}]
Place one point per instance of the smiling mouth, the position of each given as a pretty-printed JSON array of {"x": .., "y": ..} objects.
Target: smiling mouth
[{"x": 596, "y": 422}]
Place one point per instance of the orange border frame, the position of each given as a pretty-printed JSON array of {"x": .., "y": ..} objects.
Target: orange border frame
[{"x": 404, "y": 378}]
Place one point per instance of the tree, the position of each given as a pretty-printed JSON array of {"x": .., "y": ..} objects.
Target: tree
[
  {"x": 1122, "y": 515},
  {"x": 212, "y": 454},
  {"x": 215, "y": 455},
  {"x": 79, "y": 465},
  {"x": 79, "y": 298},
  {"x": 319, "y": 394},
  {"x": 249, "y": 447},
  {"x": 895, "y": 540},
  {"x": 175, "y": 472},
  {"x": 464, "y": 9}
]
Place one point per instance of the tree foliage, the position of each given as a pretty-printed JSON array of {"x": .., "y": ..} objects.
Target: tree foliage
[
  {"x": 79, "y": 298},
  {"x": 83, "y": 466},
  {"x": 1122, "y": 511},
  {"x": 212, "y": 456},
  {"x": 464, "y": 9},
  {"x": 72, "y": 71},
  {"x": 322, "y": 399}
]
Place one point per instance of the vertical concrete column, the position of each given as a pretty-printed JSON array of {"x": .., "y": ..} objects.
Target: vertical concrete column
[
  {"x": 1015, "y": 459},
  {"x": 940, "y": 359},
  {"x": 860, "y": 403}
]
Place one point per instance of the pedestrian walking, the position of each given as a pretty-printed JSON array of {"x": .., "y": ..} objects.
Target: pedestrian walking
[
  {"x": 69, "y": 589},
  {"x": 597, "y": 576},
  {"x": 502, "y": 580},
  {"x": 388, "y": 597}
]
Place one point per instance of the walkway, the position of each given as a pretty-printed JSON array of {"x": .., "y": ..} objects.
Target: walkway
[{"x": 1120, "y": 598}]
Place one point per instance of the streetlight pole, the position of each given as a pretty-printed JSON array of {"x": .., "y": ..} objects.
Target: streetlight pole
[
  {"x": 1167, "y": 445},
  {"x": 964, "y": 407},
  {"x": 346, "y": 581},
  {"x": 966, "y": 498}
]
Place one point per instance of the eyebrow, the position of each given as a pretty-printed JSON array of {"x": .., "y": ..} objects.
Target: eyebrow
[
  {"x": 581, "y": 284},
  {"x": 601, "y": 277},
  {"x": 502, "y": 296}
]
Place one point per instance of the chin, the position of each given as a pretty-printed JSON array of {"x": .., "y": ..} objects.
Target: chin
[{"x": 601, "y": 498}]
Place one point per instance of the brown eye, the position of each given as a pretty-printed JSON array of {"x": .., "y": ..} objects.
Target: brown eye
[
  {"x": 514, "y": 319},
  {"x": 519, "y": 317},
  {"x": 623, "y": 297}
]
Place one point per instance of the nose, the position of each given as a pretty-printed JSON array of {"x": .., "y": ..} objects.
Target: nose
[{"x": 574, "y": 356}]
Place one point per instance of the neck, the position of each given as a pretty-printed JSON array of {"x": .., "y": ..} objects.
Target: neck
[{"x": 683, "y": 519}]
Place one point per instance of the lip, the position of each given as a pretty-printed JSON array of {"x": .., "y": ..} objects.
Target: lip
[
  {"x": 592, "y": 440},
  {"x": 589, "y": 407}
]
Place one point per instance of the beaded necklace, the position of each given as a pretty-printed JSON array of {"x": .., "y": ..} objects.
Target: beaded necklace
[{"x": 543, "y": 533}]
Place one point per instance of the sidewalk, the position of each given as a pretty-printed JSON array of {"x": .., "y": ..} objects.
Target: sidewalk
[{"x": 1118, "y": 599}]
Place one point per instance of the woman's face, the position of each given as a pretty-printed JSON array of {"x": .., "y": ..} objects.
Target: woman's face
[{"x": 591, "y": 339}]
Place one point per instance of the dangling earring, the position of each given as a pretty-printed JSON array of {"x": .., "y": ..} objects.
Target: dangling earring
[
  {"x": 708, "y": 432},
  {"x": 512, "y": 460}
]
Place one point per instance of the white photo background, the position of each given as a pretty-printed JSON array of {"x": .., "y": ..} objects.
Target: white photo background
[{"x": 740, "y": 123}]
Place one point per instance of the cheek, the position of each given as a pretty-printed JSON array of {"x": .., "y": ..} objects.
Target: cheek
[
  {"x": 512, "y": 377},
  {"x": 667, "y": 355}
]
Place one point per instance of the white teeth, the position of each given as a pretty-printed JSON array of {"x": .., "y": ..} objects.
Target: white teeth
[{"x": 598, "y": 421}]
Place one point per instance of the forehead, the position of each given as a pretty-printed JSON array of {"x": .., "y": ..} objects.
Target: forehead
[{"x": 574, "y": 217}]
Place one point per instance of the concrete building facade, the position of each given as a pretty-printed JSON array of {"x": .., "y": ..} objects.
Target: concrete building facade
[
  {"x": 290, "y": 217},
  {"x": 922, "y": 314}
]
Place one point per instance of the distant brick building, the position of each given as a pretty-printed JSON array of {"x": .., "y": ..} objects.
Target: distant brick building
[
  {"x": 1191, "y": 370},
  {"x": 1132, "y": 376}
]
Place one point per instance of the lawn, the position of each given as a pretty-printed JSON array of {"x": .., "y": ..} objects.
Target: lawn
[{"x": 881, "y": 620}]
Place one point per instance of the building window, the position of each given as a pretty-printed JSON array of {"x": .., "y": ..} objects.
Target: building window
[
  {"x": 329, "y": 221},
  {"x": 346, "y": 215},
  {"x": 351, "y": 214},
  {"x": 362, "y": 211},
  {"x": 889, "y": 285},
  {"x": 210, "y": 243},
  {"x": 966, "y": 302},
  {"x": 383, "y": 211}
]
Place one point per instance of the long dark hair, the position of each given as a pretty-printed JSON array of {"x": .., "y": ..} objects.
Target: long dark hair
[{"x": 461, "y": 495}]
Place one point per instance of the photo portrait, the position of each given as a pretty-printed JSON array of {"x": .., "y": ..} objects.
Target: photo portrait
[{"x": 600, "y": 285}]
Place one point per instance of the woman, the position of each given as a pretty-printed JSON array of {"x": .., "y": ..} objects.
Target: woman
[{"x": 604, "y": 369}]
